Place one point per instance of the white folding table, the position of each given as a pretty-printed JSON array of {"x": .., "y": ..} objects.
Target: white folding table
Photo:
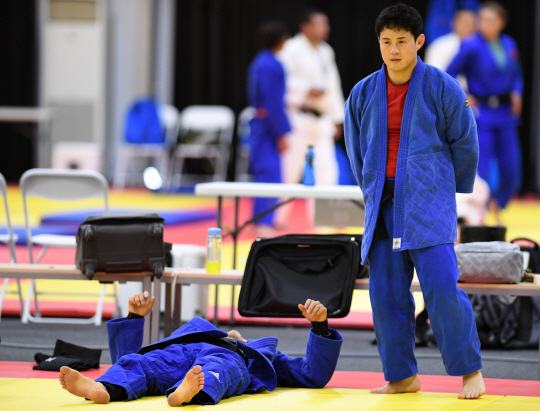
[{"x": 276, "y": 190}]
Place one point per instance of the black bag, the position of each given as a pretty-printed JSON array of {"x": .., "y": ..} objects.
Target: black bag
[
  {"x": 534, "y": 253},
  {"x": 284, "y": 271},
  {"x": 121, "y": 243},
  {"x": 474, "y": 234},
  {"x": 507, "y": 324}
]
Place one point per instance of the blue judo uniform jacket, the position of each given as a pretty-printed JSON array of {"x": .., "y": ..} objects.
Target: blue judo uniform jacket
[
  {"x": 485, "y": 78},
  {"x": 266, "y": 369},
  {"x": 437, "y": 157}
]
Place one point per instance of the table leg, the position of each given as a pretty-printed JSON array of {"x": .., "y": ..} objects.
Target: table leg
[
  {"x": 177, "y": 316},
  {"x": 220, "y": 203},
  {"x": 235, "y": 244},
  {"x": 147, "y": 286},
  {"x": 168, "y": 311},
  {"x": 154, "y": 331}
]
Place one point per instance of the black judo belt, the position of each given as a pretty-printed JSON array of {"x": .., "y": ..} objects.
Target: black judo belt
[
  {"x": 388, "y": 193},
  {"x": 225, "y": 342}
]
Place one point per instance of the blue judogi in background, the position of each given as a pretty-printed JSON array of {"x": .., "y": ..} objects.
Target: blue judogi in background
[
  {"x": 491, "y": 82},
  {"x": 266, "y": 91},
  {"x": 159, "y": 368},
  {"x": 438, "y": 155}
]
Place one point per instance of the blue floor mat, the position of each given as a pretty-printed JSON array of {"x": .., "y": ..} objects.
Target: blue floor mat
[
  {"x": 171, "y": 217},
  {"x": 68, "y": 223}
]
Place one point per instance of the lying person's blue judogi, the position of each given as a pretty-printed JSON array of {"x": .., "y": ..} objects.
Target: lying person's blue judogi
[{"x": 230, "y": 366}]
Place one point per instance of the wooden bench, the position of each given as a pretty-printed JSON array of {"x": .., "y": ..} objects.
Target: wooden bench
[{"x": 177, "y": 277}]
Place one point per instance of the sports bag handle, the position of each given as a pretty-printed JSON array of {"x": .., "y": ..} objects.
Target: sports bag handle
[{"x": 533, "y": 244}]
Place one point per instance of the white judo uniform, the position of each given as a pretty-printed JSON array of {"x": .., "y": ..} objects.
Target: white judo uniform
[{"x": 308, "y": 67}]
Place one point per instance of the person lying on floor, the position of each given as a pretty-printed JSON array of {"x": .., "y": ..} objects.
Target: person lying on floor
[{"x": 200, "y": 364}]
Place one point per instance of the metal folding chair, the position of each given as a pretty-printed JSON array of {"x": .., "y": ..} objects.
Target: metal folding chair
[
  {"x": 205, "y": 133},
  {"x": 60, "y": 185},
  {"x": 10, "y": 239}
]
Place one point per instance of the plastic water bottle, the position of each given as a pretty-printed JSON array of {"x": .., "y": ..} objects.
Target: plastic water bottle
[
  {"x": 213, "y": 251},
  {"x": 309, "y": 172}
]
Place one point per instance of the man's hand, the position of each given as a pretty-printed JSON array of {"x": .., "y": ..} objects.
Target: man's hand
[
  {"x": 237, "y": 335},
  {"x": 338, "y": 131},
  {"x": 315, "y": 92},
  {"x": 517, "y": 103},
  {"x": 282, "y": 144},
  {"x": 140, "y": 304},
  {"x": 314, "y": 311},
  {"x": 473, "y": 102}
]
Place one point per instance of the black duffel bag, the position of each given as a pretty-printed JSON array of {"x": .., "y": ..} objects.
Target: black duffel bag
[
  {"x": 282, "y": 272},
  {"x": 121, "y": 243}
]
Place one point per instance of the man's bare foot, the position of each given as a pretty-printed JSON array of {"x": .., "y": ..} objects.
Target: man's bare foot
[
  {"x": 473, "y": 386},
  {"x": 411, "y": 384},
  {"x": 192, "y": 384},
  {"x": 82, "y": 386}
]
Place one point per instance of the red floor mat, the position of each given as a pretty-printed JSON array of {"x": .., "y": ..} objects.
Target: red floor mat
[
  {"x": 436, "y": 383},
  {"x": 341, "y": 379},
  {"x": 12, "y": 307}
]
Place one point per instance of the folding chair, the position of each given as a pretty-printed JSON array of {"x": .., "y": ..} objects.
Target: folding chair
[
  {"x": 60, "y": 185},
  {"x": 10, "y": 239},
  {"x": 205, "y": 133},
  {"x": 243, "y": 130},
  {"x": 168, "y": 119}
]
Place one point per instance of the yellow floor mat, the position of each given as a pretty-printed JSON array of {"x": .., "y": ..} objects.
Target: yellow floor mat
[{"x": 42, "y": 394}]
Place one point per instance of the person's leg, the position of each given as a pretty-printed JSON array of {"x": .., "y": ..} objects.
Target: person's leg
[
  {"x": 79, "y": 385},
  {"x": 486, "y": 145},
  {"x": 225, "y": 375},
  {"x": 326, "y": 166},
  {"x": 392, "y": 304},
  {"x": 152, "y": 373},
  {"x": 451, "y": 315},
  {"x": 266, "y": 168},
  {"x": 508, "y": 152}
]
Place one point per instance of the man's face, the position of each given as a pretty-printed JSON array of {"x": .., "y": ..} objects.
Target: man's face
[
  {"x": 317, "y": 29},
  {"x": 490, "y": 24},
  {"x": 464, "y": 23},
  {"x": 398, "y": 49}
]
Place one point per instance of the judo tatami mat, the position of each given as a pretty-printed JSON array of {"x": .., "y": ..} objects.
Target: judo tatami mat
[{"x": 46, "y": 394}]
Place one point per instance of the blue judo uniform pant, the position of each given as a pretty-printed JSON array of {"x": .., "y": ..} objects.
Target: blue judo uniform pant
[
  {"x": 265, "y": 164},
  {"x": 160, "y": 372},
  {"x": 449, "y": 308},
  {"x": 498, "y": 138}
]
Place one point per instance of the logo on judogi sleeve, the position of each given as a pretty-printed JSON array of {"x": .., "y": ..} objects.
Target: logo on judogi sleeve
[{"x": 467, "y": 104}]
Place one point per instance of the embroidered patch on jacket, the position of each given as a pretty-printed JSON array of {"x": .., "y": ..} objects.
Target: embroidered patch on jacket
[
  {"x": 215, "y": 374},
  {"x": 467, "y": 104},
  {"x": 396, "y": 243}
]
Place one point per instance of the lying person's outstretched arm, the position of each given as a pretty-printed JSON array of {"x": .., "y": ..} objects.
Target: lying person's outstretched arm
[
  {"x": 322, "y": 352},
  {"x": 126, "y": 334}
]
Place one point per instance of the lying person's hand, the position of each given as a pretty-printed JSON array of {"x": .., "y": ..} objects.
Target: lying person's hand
[
  {"x": 140, "y": 304},
  {"x": 235, "y": 334},
  {"x": 314, "y": 311}
]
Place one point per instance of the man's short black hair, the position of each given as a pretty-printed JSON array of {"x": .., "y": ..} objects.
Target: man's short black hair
[
  {"x": 272, "y": 33},
  {"x": 398, "y": 17},
  {"x": 306, "y": 15}
]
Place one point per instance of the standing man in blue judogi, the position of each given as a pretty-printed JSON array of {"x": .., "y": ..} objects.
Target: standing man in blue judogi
[
  {"x": 266, "y": 92},
  {"x": 411, "y": 138},
  {"x": 490, "y": 62}
]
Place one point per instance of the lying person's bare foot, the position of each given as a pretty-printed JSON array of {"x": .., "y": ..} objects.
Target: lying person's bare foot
[
  {"x": 473, "y": 386},
  {"x": 411, "y": 384},
  {"x": 82, "y": 386},
  {"x": 192, "y": 384}
]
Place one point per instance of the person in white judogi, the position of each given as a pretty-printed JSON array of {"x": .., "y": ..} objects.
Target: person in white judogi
[
  {"x": 314, "y": 100},
  {"x": 442, "y": 50}
]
